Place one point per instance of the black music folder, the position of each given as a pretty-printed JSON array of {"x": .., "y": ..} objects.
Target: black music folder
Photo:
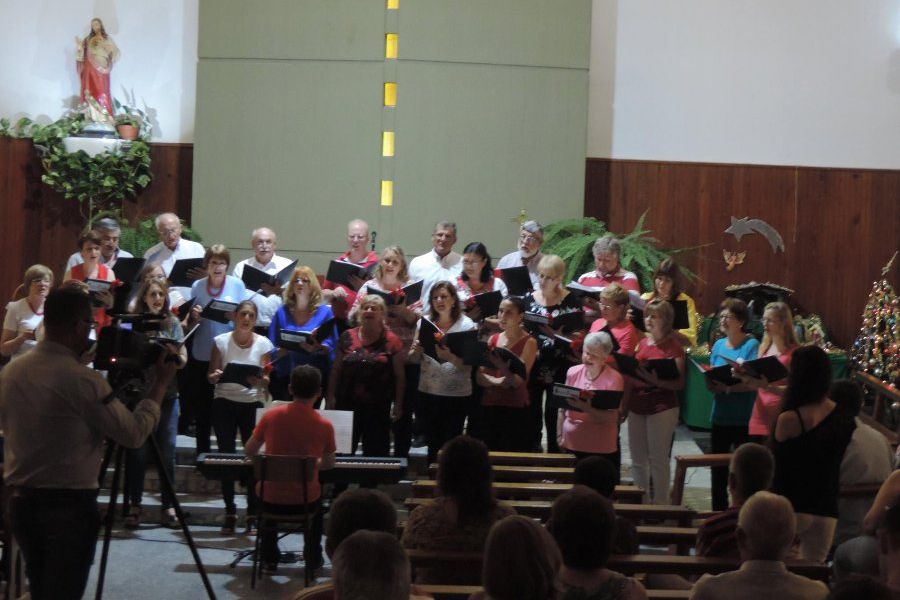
[
  {"x": 95, "y": 287},
  {"x": 254, "y": 278},
  {"x": 178, "y": 276},
  {"x": 513, "y": 362},
  {"x": 219, "y": 311},
  {"x": 584, "y": 291},
  {"x": 488, "y": 302},
  {"x": 128, "y": 269},
  {"x": 405, "y": 295},
  {"x": 463, "y": 344},
  {"x": 184, "y": 309},
  {"x": 600, "y": 399},
  {"x": 240, "y": 374},
  {"x": 517, "y": 280},
  {"x": 291, "y": 340},
  {"x": 680, "y": 320},
  {"x": 566, "y": 322},
  {"x": 340, "y": 271},
  {"x": 427, "y": 331},
  {"x": 615, "y": 345},
  {"x": 721, "y": 374},
  {"x": 768, "y": 366}
]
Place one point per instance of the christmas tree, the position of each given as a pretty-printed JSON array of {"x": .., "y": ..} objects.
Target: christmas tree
[{"x": 875, "y": 350}]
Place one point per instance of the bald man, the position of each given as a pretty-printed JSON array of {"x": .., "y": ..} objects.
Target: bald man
[
  {"x": 766, "y": 528},
  {"x": 264, "y": 242},
  {"x": 357, "y": 253}
]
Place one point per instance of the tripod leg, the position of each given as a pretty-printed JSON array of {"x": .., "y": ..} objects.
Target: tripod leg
[
  {"x": 110, "y": 513},
  {"x": 168, "y": 489}
]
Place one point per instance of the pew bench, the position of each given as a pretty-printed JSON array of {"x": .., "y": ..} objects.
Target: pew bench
[{"x": 427, "y": 488}]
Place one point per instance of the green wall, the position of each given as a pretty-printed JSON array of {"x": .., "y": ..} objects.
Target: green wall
[{"x": 491, "y": 118}]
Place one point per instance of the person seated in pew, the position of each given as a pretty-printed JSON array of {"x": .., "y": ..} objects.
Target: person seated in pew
[
  {"x": 582, "y": 523},
  {"x": 295, "y": 429},
  {"x": 372, "y": 564},
  {"x": 868, "y": 459},
  {"x": 601, "y": 475},
  {"x": 861, "y": 588},
  {"x": 765, "y": 533},
  {"x": 591, "y": 431},
  {"x": 750, "y": 471},
  {"x": 459, "y": 519},
  {"x": 521, "y": 562},
  {"x": 357, "y": 509},
  {"x": 889, "y": 546}
]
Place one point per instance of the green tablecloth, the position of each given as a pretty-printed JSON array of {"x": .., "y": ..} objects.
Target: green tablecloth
[{"x": 697, "y": 405}]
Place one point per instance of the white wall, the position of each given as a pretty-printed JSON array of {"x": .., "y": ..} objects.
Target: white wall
[
  {"x": 804, "y": 82},
  {"x": 157, "y": 39}
]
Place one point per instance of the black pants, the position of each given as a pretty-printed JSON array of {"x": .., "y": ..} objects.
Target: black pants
[
  {"x": 722, "y": 439},
  {"x": 403, "y": 427},
  {"x": 196, "y": 402},
  {"x": 506, "y": 428},
  {"x": 539, "y": 412},
  {"x": 57, "y": 531},
  {"x": 445, "y": 417},
  {"x": 228, "y": 418},
  {"x": 312, "y": 540},
  {"x": 372, "y": 428}
]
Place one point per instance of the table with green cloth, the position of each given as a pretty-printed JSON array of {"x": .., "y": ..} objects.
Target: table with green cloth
[{"x": 696, "y": 407}]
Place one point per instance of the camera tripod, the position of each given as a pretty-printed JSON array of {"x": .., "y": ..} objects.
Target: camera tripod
[{"x": 166, "y": 487}]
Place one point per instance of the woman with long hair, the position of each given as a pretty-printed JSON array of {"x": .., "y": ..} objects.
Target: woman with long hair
[
  {"x": 24, "y": 316},
  {"x": 779, "y": 340},
  {"x": 445, "y": 385},
  {"x": 808, "y": 442},
  {"x": 234, "y": 405},
  {"x": 461, "y": 516},
  {"x": 504, "y": 399},
  {"x": 521, "y": 562},
  {"x": 153, "y": 299},
  {"x": 302, "y": 310}
]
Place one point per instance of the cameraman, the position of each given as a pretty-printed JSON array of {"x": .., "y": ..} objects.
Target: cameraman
[{"x": 55, "y": 413}]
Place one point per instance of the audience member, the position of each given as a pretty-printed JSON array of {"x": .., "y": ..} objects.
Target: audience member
[
  {"x": 810, "y": 437},
  {"x": 601, "y": 475},
  {"x": 531, "y": 236},
  {"x": 440, "y": 264},
  {"x": 109, "y": 232},
  {"x": 751, "y": 470},
  {"x": 860, "y": 588},
  {"x": 867, "y": 460},
  {"x": 24, "y": 316},
  {"x": 859, "y": 555},
  {"x": 765, "y": 533},
  {"x": 889, "y": 545},
  {"x": 521, "y": 562},
  {"x": 460, "y": 518},
  {"x": 295, "y": 429},
  {"x": 582, "y": 522},
  {"x": 371, "y": 564},
  {"x": 357, "y": 509}
]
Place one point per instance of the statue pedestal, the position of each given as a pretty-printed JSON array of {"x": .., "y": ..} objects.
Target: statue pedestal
[{"x": 92, "y": 146}]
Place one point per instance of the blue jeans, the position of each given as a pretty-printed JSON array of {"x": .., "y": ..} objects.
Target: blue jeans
[
  {"x": 136, "y": 460},
  {"x": 57, "y": 531}
]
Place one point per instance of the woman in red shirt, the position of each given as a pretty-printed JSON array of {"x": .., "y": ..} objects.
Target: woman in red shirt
[
  {"x": 653, "y": 405},
  {"x": 614, "y": 319},
  {"x": 505, "y": 415}
]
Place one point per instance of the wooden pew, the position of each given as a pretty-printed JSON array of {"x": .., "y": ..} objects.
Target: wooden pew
[
  {"x": 523, "y": 473},
  {"x": 426, "y": 488},
  {"x": 462, "y": 592},
  {"x": 532, "y": 459},
  {"x": 884, "y": 396},
  {"x": 690, "y": 461},
  {"x": 540, "y": 509}
]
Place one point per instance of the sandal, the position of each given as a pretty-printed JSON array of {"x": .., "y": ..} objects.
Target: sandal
[
  {"x": 133, "y": 519},
  {"x": 229, "y": 524},
  {"x": 250, "y": 525}
]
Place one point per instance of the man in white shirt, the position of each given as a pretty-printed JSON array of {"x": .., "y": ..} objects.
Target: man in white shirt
[
  {"x": 766, "y": 528},
  {"x": 263, "y": 242},
  {"x": 531, "y": 236},
  {"x": 440, "y": 264},
  {"x": 172, "y": 247},
  {"x": 109, "y": 232}
]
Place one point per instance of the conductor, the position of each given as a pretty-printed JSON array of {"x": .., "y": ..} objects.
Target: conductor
[{"x": 55, "y": 413}]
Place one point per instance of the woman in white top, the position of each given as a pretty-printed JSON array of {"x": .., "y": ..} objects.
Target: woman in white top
[
  {"x": 24, "y": 316},
  {"x": 445, "y": 385},
  {"x": 234, "y": 405}
]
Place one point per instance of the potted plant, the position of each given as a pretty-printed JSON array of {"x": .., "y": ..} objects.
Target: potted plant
[{"x": 128, "y": 126}]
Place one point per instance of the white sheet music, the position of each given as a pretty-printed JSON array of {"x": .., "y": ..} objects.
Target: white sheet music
[{"x": 342, "y": 420}]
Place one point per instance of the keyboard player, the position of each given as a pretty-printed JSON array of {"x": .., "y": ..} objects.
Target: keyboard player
[{"x": 295, "y": 429}]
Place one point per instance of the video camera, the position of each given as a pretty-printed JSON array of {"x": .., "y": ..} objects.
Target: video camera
[{"x": 130, "y": 344}]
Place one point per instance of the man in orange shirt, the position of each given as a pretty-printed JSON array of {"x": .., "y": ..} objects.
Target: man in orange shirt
[{"x": 295, "y": 429}]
